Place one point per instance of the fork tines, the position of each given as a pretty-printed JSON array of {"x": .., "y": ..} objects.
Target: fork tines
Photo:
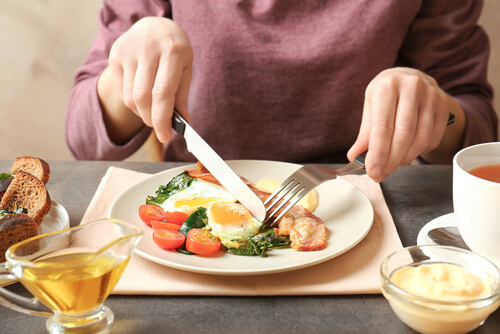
[{"x": 290, "y": 191}]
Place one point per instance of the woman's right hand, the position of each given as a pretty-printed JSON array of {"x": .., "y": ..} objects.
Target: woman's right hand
[{"x": 150, "y": 68}]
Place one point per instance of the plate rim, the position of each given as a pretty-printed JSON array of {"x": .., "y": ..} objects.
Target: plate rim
[{"x": 239, "y": 272}]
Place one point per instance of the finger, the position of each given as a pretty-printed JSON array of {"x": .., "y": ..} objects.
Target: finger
[
  {"x": 164, "y": 90},
  {"x": 117, "y": 74},
  {"x": 115, "y": 65},
  {"x": 424, "y": 130},
  {"x": 128, "y": 86},
  {"x": 384, "y": 103},
  {"x": 405, "y": 127},
  {"x": 182, "y": 94},
  {"x": 431, "y": 124},
  {"x": 143, "y": 86},
  {"x": 361, "y": 143}
]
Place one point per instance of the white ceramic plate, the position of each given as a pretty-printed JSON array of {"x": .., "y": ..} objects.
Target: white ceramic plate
[
  {"x": 57, "y": 219},
  {"x": 348, "y": 215}
]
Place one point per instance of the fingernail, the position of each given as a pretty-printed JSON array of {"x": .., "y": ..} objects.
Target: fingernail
[{"x": 162, "y": 138}]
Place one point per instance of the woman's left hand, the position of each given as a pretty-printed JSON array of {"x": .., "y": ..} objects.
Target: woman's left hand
[{"x": 405, "y": 114}]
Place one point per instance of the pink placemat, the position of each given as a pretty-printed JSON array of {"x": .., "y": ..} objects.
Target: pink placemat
[{"x": 354, "y": 272}]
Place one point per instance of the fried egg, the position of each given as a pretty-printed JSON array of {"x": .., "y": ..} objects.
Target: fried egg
[
  {"x": 199, "y": 194},
  {"x": 231, "y": 221}
]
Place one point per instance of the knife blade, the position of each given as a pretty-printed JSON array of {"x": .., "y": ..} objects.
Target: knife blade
[{"x": 218, "y": 167}]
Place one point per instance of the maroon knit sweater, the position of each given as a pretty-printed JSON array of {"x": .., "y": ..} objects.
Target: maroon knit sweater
[{"x": 285, "y": 79}]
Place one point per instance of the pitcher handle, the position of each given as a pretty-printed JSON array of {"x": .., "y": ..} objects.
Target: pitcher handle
[{"x": 19, "y": 303}]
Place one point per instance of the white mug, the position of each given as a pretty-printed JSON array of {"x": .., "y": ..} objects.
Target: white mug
[{"x": 476, "y": 201}]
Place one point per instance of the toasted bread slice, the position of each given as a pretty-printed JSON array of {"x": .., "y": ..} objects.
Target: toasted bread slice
[
  {"x": 4, "y": 184},
  {"x": 35, "y": 166},
  {"x": 28, "y": 192},
  {"x": 15, "y": 228}
]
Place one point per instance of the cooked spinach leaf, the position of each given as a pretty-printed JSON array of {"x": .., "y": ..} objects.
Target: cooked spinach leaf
[
  {"x": 259, "y": 244},
  {"x": 241, "y": 247},
  {"x": 197, "y": 219},
  {"x": 5, "y": 176},
  {"x": 177, "y": 184}
]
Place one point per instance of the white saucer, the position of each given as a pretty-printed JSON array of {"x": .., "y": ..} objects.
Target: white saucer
[{"x": 447, "y": 220}]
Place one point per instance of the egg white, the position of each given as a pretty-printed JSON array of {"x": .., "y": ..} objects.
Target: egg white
[
  {"x": 231, "y": 222},
  {"x": 199, "y": 194}
]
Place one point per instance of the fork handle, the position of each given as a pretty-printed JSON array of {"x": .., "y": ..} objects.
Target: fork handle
[{"x": 360, "y": 159}]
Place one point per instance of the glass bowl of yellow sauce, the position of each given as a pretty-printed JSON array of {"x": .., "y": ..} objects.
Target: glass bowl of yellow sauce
[{"x": 440, "y": 289}]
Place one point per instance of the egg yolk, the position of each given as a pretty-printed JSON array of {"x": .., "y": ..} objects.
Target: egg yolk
[
  {"x": 229, "y": 213},
  {"x": 195, "y": 202}
]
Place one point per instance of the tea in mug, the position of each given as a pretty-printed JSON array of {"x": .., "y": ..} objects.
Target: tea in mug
[
  {"x": 77, "y": 289},
  {"x": 488, "y": 172}
]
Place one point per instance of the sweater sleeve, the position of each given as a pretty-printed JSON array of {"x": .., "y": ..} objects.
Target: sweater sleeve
[
  {"x": 446, "y": 42},
  {"x": 86, "y": 134}
]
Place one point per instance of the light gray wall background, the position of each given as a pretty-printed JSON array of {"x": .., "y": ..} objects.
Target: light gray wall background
[{"x": 42, "y": 42}]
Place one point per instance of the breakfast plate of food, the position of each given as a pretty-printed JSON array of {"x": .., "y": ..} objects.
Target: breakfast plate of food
[{"x": 342, "y": 213}]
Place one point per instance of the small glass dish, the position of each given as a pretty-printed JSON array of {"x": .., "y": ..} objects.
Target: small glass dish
[{"x": 433, "y": 315}]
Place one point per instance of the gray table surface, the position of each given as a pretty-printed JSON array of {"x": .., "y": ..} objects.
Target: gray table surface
[{"x": 415, "y": 195}]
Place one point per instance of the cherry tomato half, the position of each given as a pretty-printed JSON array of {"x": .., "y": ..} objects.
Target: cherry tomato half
[
  {"x": 201, "y": 241},
  {"x": 150, "y": 212},
  {"x": 176, "y": 217},
  {"x": 168, "y": 239},
  {"x": 157, "y": 225}
]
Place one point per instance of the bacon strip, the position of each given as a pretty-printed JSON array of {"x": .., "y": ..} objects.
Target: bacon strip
[
  {"x": 202, "y": 173},
  {"x": 307, "y": 231}
]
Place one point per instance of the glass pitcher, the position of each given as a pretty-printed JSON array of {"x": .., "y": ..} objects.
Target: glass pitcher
[{"x": 70, "y": 273}]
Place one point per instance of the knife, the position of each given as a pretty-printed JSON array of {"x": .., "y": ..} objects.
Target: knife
[{"x": 219, "y": 169}]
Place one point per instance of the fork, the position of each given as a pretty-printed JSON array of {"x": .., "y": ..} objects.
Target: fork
[
  {"x": 302, "y": 182},
  {"x": 306, "y": 179}
]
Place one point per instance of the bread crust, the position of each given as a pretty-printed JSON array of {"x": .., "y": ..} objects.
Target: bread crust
[
  {"x": 15, "y": 228},
  {"x": 29, "y": 192},
  {"x": 35, "y": 166},
  {"x": 4, "y": 184}
]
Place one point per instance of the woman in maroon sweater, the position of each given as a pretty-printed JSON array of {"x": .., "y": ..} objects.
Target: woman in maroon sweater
[{"x": 286, "y": 80}]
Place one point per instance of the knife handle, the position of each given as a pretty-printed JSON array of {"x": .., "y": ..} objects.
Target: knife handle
[{"x": 178, "y": 123}]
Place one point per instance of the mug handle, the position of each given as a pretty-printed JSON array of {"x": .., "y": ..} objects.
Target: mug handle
[{"x": 19, "y": 303}]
